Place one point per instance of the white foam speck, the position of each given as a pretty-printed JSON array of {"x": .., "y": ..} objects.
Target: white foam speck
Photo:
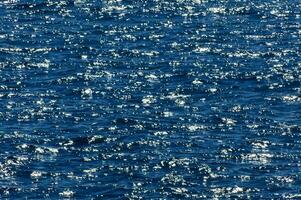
[
  {"x": 151, "y": 78},
  {"x": 180, "y": 102},
  {"x": 66, "y": 193},
  {"x": 148, "y": 99},
  {"x": 260, "y": 144},
  {"x": 197, "y": 82},
  {"x": 217, "y": 10},
  {"x": 84, "y": 57},
  {"x": 193, "y": 128},
  {"x": 228, "y": 121},
  {"x": 167, "y": 114},
  {"x": 44, "y": 64},
  {"x": 291, "y": 98},
  {"x": 95, "y": 138},
  {"x": 36, "y": 174},
  {"x": 258, "y": 158},
  {"x": 201, "y": 50},
  {"x": 87, "y": 92},
  {"x": 212, "y": 90},
  {"x": 161, "y": 133},
  {"x": 179, "y": 190},
  {"x": 92, "y": 170},
  {"x": 39, "y": 150}
]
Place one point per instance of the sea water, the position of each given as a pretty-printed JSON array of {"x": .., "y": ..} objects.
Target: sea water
[{"x": 150, "y": 99}]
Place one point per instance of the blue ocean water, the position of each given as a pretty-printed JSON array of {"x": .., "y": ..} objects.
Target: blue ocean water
[{"x": 150, "y": 99}]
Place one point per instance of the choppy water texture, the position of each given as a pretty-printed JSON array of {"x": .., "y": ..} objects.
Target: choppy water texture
[{"x": 156, "y": 99}]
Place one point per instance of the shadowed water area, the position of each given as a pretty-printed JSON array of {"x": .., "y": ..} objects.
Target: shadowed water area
[{"x": 150, "y": 99}]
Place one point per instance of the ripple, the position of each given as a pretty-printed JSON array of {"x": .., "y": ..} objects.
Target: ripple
[{"x": 184, "y": 99}]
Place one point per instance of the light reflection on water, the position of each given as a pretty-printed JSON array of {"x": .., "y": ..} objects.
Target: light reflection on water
[{"x": 149, "y": 99}]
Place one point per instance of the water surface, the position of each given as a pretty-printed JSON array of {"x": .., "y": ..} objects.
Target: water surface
[{"x": 156, "y": 99}]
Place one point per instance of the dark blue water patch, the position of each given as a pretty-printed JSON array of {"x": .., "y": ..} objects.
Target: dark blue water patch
[{"x": 149, "y": 99}]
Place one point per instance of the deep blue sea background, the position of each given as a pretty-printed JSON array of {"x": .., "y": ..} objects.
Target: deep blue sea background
[{"x": 150, "y": 99}]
